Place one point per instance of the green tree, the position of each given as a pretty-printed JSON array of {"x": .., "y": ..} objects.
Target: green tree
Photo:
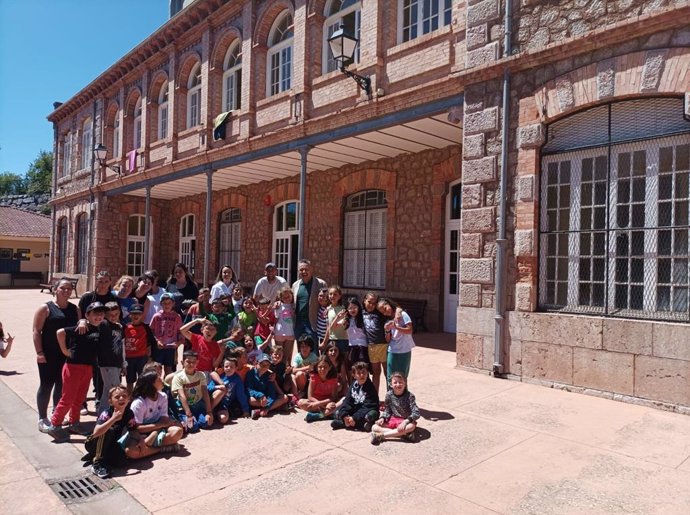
[
  {"x": 11, "y": 184},
  {"x": 40, "y": 173}
]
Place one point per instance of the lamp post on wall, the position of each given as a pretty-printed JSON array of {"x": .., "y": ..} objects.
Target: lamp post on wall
[
  {"x": 343, "y": 45},
  {"x": 101, "y": 151}
]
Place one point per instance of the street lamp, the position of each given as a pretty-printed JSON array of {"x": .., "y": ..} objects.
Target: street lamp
[
  {"x": 101, "y": 152},
  {"x": 343, "y": 44}
]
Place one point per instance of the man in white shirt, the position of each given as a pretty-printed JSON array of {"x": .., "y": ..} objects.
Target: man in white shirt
[{"x": 269, "y": 285}]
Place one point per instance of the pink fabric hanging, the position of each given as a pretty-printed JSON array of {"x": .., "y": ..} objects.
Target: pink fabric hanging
[{"x": 132, "y": 161}]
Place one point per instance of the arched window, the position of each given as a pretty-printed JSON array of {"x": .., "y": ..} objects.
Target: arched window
[
  {"x": 137, "y": 124},
  {"x": 82, "y": 243},
  {"x": 116, "y": 136},
  {"x": 61, "y": 258},
  {"x": 286, "y": 239},
  {"x": 232, "y": 79},
  {"x": 614, "y": 211},
  {"x": 194, "y": 97},
  {"x": 136, "y": 235},
  {"x": 188, "y": 241},
  {"x": 416, "y": 18},
  {"x": 279, "y": 59},
  {"x": 67, "y": 154},
  {"x": 86, "y": 144},
  {"x": 340, "y": 12},
  {"x": 230, "y": 242},
  {"x": 163, "y": 111},
  {"x": 364, "y": 240}
]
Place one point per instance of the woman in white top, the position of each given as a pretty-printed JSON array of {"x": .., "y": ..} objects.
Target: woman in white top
[{"x": 225, "y": 282}]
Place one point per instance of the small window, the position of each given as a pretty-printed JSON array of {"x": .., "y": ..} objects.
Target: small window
[
  {"x": 194, "y": 97},
  {"x": 116, "y": 136},
  {"x": 86, "y": 144},
  {"x": 232, "y": 79},
  {"x": 419, "y": 17},
  {"x": 279, "y": 76},
  {"x": 364, "y": 240},
  {"x": 137, "y": 124},
  {"x": 163, "y": 111}
]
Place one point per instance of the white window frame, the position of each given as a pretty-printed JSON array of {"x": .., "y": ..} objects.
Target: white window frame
[
  {"x": 332, "y": 24},
  {"x": 81, "y": 243},
  {"x": 280, "y": 51},
  {"x": 162, "y": 131},
  {"x": 365, "y": 224},
  {"x": 194, "y": 84},
  {"x": 425, "y": 13},
  {"x": 67, "y": 154},
  {"x": 116, "y": 136},
  {"x": 232, "y": 77},
  {"x": 285, "y": 234},
  {"x": 86, "y": 144},
  {"x": 136, "y": 243},
  {"x": 230, "y": 238},
  {"x": 136, "y": 126},
  {"x": 187, "y": 249}
]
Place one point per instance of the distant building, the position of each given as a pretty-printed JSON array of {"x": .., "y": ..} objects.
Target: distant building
[
  {"x": 550, "y": 234},
  {"x": 24, "y": 244}
]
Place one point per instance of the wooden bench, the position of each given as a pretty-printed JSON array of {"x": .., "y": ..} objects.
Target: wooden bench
[
  {"x": 33, "y": 276},
  {"x": 415, "y": 308},
  {"x": 55, "y": 280}
]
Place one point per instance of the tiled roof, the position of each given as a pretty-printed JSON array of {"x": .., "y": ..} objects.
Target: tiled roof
[{"x": 15, "y": 222}]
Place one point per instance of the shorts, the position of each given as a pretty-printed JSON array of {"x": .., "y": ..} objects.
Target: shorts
[
  {"x": 378, "y": 352},
  {"x": 135, "y": 367},
  {"x": 165, "y": 357},
  {"x": 393, "y": 422},
  {"x": 358, "y": 353}
]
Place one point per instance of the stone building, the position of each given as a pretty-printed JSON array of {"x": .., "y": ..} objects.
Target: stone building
[{"x": 530, "y": 184}]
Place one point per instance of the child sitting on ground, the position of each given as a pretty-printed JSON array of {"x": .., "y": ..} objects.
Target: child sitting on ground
[
  {"x": 283, "y": 373},
  {"x": 323, "y": 392},
  {"x": 173, "y": 408},
  {"x": 192, "y": 394},
  {"x": 400, "y": 416},
  {"x": 359, "y": 409},
  {"x": 243, "y": 367},
  {"x": 150, "y": 408},
  {"x": 233, "y": 396},
  {"x": 261, "y": 388},
  {"x": 5, "y": 343},
  {"x": 303, "y": 363},
  {"x": 205, "y": 345}
]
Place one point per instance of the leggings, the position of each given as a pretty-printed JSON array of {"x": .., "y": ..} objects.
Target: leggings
[
  {"x": 398, "y": 363},
  {"x": 50, "y": 377}
]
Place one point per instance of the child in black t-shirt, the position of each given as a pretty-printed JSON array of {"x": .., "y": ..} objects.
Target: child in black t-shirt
[{"x": 359, "y": 408}]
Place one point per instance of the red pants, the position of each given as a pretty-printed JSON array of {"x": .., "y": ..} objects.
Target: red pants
[{"x": 75, "y": 386}]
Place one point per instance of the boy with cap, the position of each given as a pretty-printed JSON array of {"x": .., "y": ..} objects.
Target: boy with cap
[
  {"x": 81, "y": 351},
  {"x": 166, "y": 328},
  {"x": 264, "y": 393},
  {"x": 139, "y": 341},
  {"x": 111, "y": 358}
]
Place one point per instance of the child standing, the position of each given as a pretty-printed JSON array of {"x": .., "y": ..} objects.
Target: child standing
[
  {"x": 303, "y": 363},
  {"x": 400, "y": 415},
  {"x": 139, "y": 341},
  {"x": 322, "y": 315},
  {"x": 284, "y": 331},
  {"x": 322, "y": 394},
  {"x": 265, "y": 319},
  {"x": 261, "y": 388},
  {"x": 192, "y": 394},
  {"x": 221, "y": 317},
  {"x": 359, "y": 409},
  {"x": 5, "y": 342},
  {"x": 376, "y": 338},
  {"x": 166, "y": 328},
  {"x": 247, "y": 317},
  {"x": 356, "y": 335},
  {"x": 399, "y": 337},
  {"x": 336, "y": 332},
  {"x": 233, "y": 392},
  {"x": 111, "y": 358},
  {"x": 237, "y": 298}
]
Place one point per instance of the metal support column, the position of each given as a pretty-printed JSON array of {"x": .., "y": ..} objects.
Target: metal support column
[
  {"x": 303, "y": 151},
  {"x": 147, "y": 225},
  {"x": 207, "y": 227}
]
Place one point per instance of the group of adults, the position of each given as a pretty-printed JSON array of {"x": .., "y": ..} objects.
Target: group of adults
[{"x": 60, "y": 313}]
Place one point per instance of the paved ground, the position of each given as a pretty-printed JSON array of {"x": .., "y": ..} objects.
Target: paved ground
[{"x": 489, "y": 446}]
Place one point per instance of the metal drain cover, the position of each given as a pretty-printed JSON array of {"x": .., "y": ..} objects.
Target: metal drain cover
[{"x": 79, "y": 489}]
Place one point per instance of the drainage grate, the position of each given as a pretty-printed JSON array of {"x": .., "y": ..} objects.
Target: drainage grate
[{"x": 80, "y": 488}]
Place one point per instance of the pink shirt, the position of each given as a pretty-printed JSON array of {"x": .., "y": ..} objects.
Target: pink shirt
[{"x": 166, "y": 327}]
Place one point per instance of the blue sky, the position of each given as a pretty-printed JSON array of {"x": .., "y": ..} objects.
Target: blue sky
[{"x": 51, "y": 49}]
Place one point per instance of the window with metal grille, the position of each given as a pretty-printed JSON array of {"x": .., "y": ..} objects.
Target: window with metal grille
[
  {"x": 614, "y": 213},
  {"x": 61, "y": 262},
  {"x": 230, "y": 242},
  {"x": 364, "y": 240},
  {"x": 188, "y": 241},
  {"x": 82, "y": 243}
]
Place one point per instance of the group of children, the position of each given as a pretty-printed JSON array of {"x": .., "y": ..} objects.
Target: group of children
[{"x": 236, "y": 362}]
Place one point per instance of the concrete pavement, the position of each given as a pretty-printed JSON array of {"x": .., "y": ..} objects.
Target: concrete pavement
[{"x": 488, "y": 446}]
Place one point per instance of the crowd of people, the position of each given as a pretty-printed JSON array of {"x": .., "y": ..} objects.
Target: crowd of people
[{"x": 237, "y": 355}]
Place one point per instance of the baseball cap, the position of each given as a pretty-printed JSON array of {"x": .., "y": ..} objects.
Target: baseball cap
[
  {"x": 263, "y": 357},
  {"x": 270, "y": 264},
  {"x": 136, "y": 308},
  {"x": 111, "y": 305},
  {"x": 95, "y": 306},
  {"x": 167, "y": 296}
]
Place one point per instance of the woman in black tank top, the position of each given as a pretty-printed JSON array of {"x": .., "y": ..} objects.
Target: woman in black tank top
[{"x": 50, "y": 317}]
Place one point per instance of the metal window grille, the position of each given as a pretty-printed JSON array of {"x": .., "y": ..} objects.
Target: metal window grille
[
  {"x": 614, "y": 215},
  {"x": 230, "y": 242}
]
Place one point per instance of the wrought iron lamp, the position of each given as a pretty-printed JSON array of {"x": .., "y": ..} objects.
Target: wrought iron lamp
[{"x": 343, "y": 45}]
